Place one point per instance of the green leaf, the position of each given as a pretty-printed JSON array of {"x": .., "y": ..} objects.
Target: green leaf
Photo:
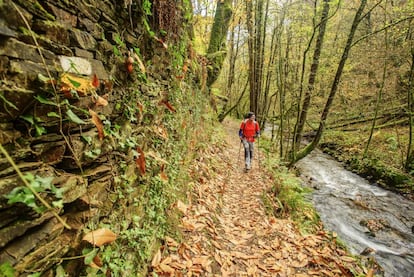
[
  {"x": 87, "y": 139},
  {"x": 2, "y": 97},
  {"x": 40, "y": 209},
  {"x": 43, "y": 78},
  {"x": 40, "y": 130},
  {"x": 136, "y": 50},
  {"x": 7, "y": 270},
  {"x": 118, "y": 40},
  {"x": 116, "y": 51},
  {"x": 74, "y": 94},
  {"x": 74, "y": 83},
  {"x": 58, "y": 192},
  {"x": 90, "y": 256},
  {"x": 28, "y": 118},
  {"x": 45, "y": 182},
  {"x": 29, "y": 177},
  {"x": 60, "y": 272},
  {"x": 43, "y": 100},
  {"x": 57, "y": 204},
  {"x": 74, "y": 118},
  {"x": 53, "y": 114}
]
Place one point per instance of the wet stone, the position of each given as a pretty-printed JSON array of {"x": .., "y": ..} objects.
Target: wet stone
[
  {"x": 83, "y": 39},
  {"x": 83, "y": 53},
  {"x": 16, "y": 49},
  {"x": 67, "y": 19}
]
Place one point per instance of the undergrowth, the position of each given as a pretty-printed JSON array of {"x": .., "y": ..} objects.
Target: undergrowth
[{"x": 287, "y": 197}]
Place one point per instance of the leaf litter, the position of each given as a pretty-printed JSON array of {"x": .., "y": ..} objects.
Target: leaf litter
[{"x": 228, "y": 233}]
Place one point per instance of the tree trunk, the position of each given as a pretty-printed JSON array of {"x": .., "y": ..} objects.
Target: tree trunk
[
  {"x": 357, "y": 19},
  {"x": 312, "y": 76},
  {"x": 223, "y": 115},
  {"x": 409, "y": 163},
  {"x": 217, "y": 47},
  {"x": 234, "y": 50},
  {"x": 379, "y": 97}
]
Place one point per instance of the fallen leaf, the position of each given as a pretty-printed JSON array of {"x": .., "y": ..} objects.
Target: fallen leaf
[
  {"x": 171, "y": 242},
  {"x": 182, "y": 207},
  {"x": 98, "y": 123},
  {"x": 156, "y": 259},
  {"x": 100, "y": 101},
  {"x": 168, "y": 105},
  {"x": 97, "y": 261},
  {"x": 163, "y": 175},
  {"x": 140, "y": 106},
  {"x": 166, "y": 268},
  {"x": 189, "y": 226},
  {"x": 100, "y": 237},
  {"x": 347, "y": 259},
  {"x": 140, "y": 63},
  {"x": 140, "y": 161}
]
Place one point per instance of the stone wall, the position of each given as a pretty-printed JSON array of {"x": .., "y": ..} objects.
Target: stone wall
[{"x": 60, "y": 63}]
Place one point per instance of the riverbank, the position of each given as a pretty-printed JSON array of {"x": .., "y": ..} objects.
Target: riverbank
[{"x": 381, "y": 165}]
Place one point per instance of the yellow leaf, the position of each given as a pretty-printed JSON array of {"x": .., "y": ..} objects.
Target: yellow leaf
[
  {"x": 347, "y": 259},
  {"x": 171, "y": 242},
  {"x": 80, "y": 84},
  {"x": 182, "y": 207},
  {"x": 156, "y": 259},
  {"x": 166, "y": 268},
  {"x": 100, "y": 237}
]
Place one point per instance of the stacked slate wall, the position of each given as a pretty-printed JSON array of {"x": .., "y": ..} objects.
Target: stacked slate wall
[{"x": 44, "y": 121}]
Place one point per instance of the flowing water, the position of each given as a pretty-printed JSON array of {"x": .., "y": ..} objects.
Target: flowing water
[{"x": 367, "y": 218}]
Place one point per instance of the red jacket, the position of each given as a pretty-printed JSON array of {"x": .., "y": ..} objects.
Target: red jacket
[{"x": 249, "y": 129}]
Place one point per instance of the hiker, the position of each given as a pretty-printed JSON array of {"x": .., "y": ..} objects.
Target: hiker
[{"x": 249, "y": 130}]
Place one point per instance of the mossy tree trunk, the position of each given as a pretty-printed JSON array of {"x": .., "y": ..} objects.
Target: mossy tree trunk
[
  {"x": 256, "y": 27},
  {"x": 312, "y": 76},
  {"x": 304, "y": 152},
  {"x": 216, "y": 52},
  {"x": 233, "y": 54}
]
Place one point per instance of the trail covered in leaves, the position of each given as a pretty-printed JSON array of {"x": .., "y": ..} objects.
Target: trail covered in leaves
[{"x": 227, "y": 232}]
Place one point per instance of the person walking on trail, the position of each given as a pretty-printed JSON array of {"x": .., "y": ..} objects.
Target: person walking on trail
[{"x": 249, "y": 130}]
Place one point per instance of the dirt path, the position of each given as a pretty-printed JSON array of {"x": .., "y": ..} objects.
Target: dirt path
[{"x": 227, "y": 232}]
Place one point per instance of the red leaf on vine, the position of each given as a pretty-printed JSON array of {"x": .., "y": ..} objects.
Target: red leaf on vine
[{"x": 95, "y": 81}]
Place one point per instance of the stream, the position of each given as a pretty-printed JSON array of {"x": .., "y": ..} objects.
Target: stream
[{"x": 370, "y": 220}]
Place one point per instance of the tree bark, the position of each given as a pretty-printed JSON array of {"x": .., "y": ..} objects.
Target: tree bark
[{"x": 217, "y": 47}]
